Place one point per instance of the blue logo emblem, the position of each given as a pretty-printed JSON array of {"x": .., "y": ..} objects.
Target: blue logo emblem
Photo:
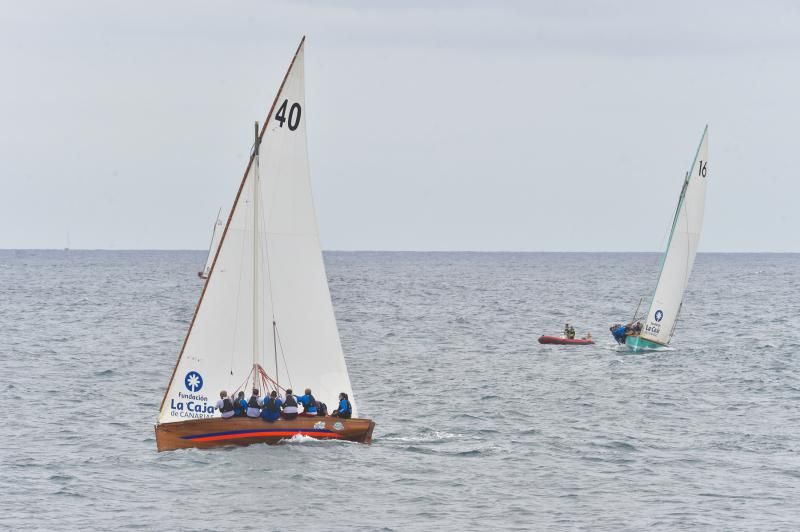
[
  {"x": 193, "y": 381},
  {"x": 659, "y": 315}
]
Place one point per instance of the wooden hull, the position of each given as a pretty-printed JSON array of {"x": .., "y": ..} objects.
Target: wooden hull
[
  {"x": 218, "y": 432},
  {"x": 557, "y": 340}
]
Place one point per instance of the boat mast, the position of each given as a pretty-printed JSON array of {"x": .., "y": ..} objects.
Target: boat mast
[
  {"x": 636, "y": 312},
  {"x": 255, "y": 257}
]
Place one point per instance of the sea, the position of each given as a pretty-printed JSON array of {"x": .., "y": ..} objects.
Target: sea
[{"x": 479, "y": 427}]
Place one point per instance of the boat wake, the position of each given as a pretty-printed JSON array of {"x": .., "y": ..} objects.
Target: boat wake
[
  {"x": 627, "y": 350},
  {"x": 434, "y": 436},
  {"x": 302, "y": 439}
]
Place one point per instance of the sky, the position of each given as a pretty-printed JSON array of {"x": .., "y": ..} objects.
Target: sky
[{"x": 435, "y": 125}]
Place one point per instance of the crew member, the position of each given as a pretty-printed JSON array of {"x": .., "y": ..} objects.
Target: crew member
[
  {"x": 240, "y": 404},
  {"x": 289, "y": 405},
  {"x": 618, "y": 331},
  {"x": 272, "y": 407},
  {"x": 309, "y": 403},
  {"x": 225, "y": 405},
  {"x": 254, "y": 404},
  {"x": 345, "y": 409}
]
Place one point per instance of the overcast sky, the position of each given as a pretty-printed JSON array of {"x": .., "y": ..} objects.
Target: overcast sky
[{"x": 552, "y": 126}]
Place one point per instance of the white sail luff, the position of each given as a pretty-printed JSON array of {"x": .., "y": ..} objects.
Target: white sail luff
[
  {"x": 681, "y": 251},
  {"x": 268, "y": 266}
]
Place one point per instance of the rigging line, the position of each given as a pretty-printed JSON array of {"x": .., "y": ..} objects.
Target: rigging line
[
  {"x": 264, "y": 375},
  {"x": 688, "y": 251},
  {"x": 267, "y": 383},
  {"x": 266, "y": 380},
  {"x": 685, "y": 211},
  {"x": 266, "y": 254},
  {"x": 283, "y": 355},
  {"x": 262, "y": 386},
  {"x": 267, "y": 291},
  {"x": 686, "y": 269},
  {"x": 275, "y": 347},
  {"x": 238, "y": 298},
  {"x": 210, "y": 245},
  {"x": 235, "y": 391}
]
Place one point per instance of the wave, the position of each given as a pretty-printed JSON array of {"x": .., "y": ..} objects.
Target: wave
[{"x": 427, "y": 437}]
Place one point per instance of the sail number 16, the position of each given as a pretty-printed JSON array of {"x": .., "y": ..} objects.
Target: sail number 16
[
  {"x": 701, "y": 168},
  {"x": 293, "y": 120}
]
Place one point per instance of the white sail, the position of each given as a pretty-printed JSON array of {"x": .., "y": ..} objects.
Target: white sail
[
  {"x": 216, "y": 235},
  {"x": 681, "y": 250},
  {"x": 268, "y": 268}
]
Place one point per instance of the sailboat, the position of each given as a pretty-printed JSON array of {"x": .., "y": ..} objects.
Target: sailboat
[
  {"x": 676, "y": 266},
  {"x": 264, "y": 318},
  {"x": 216, "y": 235}
]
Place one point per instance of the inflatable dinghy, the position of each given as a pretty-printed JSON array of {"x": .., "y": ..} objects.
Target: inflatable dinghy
[{"x": 558, "y": 340}]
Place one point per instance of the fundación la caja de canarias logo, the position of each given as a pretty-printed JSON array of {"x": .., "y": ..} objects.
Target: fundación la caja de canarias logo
[
  {"x": 191, "y": 405},
  {"x": 193, "y": 381}
]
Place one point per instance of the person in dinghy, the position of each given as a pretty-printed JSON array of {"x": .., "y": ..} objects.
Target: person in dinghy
[{"x": 568, "y": 337}]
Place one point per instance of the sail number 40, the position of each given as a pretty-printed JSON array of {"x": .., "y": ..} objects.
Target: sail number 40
[
  {"x": 701, "y": 168},
  {"x": 293, "y": 120}
]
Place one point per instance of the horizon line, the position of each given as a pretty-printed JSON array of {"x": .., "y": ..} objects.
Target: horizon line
[{"x": 409, "y": 251}]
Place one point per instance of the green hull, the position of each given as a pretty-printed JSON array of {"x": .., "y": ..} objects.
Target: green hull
[{"x": 637, "y": 344}]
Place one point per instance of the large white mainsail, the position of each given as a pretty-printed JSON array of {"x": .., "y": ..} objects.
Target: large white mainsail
[
  {"x": 681, "y": 251},
  {"x": 268, "y": 277},
  {"x": 216, "y": 235}
]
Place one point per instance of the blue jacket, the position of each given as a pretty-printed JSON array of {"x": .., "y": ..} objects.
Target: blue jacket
[
  {"x": 343, "y": 407},
  {"x": 239, "y": 407},
  {"x": 308, "y": 405},
  {"x": 619, "y": 334},
  {"x": 271, "y": 414}
]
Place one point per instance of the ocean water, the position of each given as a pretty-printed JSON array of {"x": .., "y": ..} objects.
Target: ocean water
[{"x": 478, "y": 426}]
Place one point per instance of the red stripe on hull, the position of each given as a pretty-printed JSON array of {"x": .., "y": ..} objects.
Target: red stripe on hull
[{"x": 274, "y": 434}]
